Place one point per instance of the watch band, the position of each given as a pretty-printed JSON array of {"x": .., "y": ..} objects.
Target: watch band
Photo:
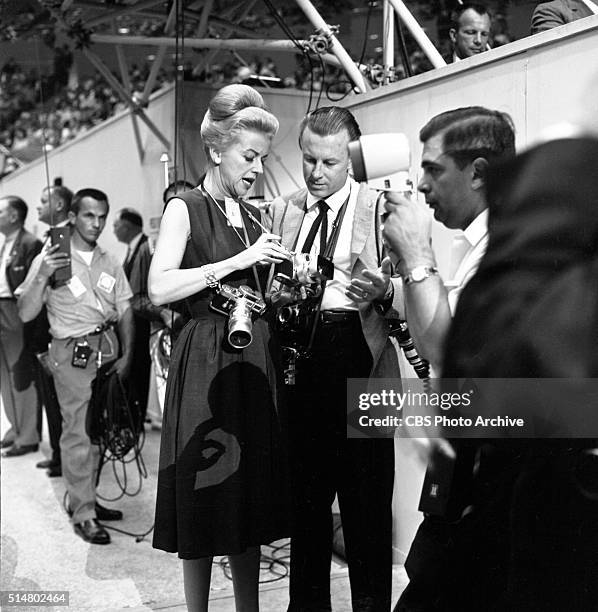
[{"x": 419, "y": 274}]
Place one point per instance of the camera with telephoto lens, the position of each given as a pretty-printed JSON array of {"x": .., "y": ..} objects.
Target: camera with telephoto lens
[{"x": 240, "y": 305}]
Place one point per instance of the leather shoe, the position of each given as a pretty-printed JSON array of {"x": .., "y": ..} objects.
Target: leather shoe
[
  {"x": 91, "y": 531},
  {"x": 17, "y": 451},
  {"x": 46, "y": 463},
  {"x": 54, "y": 471},
  {"x": 104, "y": 514},
  {"x": 6, "y": 443},
  {"x": 108, "y": 514}
]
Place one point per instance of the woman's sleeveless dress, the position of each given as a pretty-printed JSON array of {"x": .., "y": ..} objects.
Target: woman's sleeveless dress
[{"x": 222, "y": 481}]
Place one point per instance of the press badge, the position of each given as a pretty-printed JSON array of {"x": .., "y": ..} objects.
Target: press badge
[
  {"x": 76, "y": 287},
  {"x": 106, "y": 282},
  {"x": 233, "y": 212}
]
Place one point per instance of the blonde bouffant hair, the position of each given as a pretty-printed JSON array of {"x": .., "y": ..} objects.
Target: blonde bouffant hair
[{"x": 234, "y": 108}]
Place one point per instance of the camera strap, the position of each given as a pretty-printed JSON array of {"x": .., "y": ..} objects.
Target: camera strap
[{"x": 244, "y": 239}]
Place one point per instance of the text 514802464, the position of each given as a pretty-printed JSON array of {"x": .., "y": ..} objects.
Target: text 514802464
[{"x": 34, "y": 598}]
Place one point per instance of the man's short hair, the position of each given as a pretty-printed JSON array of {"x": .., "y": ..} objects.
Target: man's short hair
[
  {"x": 64, "y": 193},
  {"x": 472, "y": 131},
  {"x": 132, "y": 216},
  {"x": 176, "y": 187},
  {"x": 480, "y": 9},
  {"x": 328, "y": 120},
  {"x": 88, "y": 192},
  {"x": 18, "y": 205}
]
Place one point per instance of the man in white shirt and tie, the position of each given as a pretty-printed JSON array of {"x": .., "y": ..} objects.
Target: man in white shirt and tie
[{"x": 351, "y": 340}]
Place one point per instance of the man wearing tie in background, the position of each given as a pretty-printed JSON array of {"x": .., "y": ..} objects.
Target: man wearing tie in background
[
  {"x": 17, "y": 367},
  {"x": 128, "y": 228}
]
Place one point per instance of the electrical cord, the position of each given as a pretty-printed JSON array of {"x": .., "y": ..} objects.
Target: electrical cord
[
  {"x": 276, "y": 562},
  {"x": 365, "y": 36},
  {"x": 289, "y": 34}
]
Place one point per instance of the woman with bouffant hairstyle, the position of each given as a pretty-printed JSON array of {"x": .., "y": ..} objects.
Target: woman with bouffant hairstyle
[{"x": 222, "y": 475}]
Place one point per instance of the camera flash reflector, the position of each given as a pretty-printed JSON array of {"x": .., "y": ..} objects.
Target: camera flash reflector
[{"x": 383, "y": 160}]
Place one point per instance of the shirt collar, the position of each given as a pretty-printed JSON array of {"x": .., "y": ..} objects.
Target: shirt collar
[
  {"x": 335, "y": 200},
  {"x": 134, "y": 242},
  {"x": 12, "y": 236},
  {"x": 98, "y": 251},
  {"x": 477, "y": 229}
]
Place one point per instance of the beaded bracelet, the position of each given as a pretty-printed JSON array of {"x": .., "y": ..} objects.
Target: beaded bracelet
[{"x": 210, "y": 276}]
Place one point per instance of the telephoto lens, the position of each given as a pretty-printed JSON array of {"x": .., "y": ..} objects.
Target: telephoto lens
[{"x": 240, "y": 324}]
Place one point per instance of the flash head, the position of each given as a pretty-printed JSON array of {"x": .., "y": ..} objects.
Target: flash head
[{"x": 382, "y": 160}]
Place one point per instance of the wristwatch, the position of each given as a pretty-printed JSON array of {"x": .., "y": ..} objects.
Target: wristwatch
[{"x": 418, "y": 274}]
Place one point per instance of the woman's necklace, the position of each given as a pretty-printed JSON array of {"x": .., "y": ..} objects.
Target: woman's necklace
[
  {"x": 242, "y": 204},
  {"x": 244, "y": 241}
]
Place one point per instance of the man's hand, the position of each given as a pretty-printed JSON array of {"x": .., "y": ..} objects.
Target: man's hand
[
  {"x": 52, "y": 261},
  {"x": 373, "y": 285},
  {"x": 122, "y": 367},
  {"x": 407, "y": 231}
]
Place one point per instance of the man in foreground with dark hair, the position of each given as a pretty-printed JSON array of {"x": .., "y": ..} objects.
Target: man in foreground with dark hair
[
  {"x": 534, "y": 306},
  {"x": 470, "y": 32},
  {"x": 336, "y": 216},
  {"x": 82, "y": 315},
  {"x": 17, "y": 362},
  {"x": 459, "y": 146}
]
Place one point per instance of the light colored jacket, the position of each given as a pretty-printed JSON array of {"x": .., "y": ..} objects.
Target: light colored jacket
[{"x": 286, "y": 216}]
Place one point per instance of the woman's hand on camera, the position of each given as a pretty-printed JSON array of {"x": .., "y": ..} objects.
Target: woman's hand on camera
[{"x": 265, "y": 250}]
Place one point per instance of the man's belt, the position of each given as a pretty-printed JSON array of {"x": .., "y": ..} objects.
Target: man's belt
[
  {"x": 101, "y": 328},
  {"x": 339, "y": 316}
]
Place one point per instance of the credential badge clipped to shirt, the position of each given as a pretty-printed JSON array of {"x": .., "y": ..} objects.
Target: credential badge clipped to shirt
[
  {"x": 233, "y": 212},
  {"x": 106, "y": 282}
]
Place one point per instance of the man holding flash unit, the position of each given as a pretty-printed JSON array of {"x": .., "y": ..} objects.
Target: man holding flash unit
[{"x": 458, "y": 147}]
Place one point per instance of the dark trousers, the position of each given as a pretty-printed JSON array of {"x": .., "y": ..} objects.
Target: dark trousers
[
  {"x": 139, "y": 376},
  {"x": 47, "y": 393},
  {"x": 529, "y": 545},
  {"x": 325, "y": 463}
]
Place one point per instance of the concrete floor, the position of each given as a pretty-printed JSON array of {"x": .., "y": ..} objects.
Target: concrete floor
[{"x": 41, "y": 552}]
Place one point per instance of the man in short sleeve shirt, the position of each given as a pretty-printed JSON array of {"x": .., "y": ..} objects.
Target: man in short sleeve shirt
[{"x": 83, "y": 314}]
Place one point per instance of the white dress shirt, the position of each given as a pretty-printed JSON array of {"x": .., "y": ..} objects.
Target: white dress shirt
[
  {"x": 474, "y": 240},
  {"x": 132, "y": 246},
  {"x": 334, "y": 294},
  {"x": 6, "y": 248}
]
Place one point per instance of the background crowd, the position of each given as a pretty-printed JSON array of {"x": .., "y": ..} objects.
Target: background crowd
[{"x": 43, "y": 111}]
